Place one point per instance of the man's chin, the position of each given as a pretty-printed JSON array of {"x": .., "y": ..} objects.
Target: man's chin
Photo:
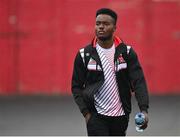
[{"x": 103, "y": 38}]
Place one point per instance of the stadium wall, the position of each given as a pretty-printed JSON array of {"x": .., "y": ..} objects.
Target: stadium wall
[{"x": 39, "y": 40}]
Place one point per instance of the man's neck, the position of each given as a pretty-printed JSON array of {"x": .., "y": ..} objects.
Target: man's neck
[{"x": 105, "y": 44}]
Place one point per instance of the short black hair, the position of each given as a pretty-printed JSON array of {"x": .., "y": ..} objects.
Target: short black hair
[{"x": 107, "y": 12}]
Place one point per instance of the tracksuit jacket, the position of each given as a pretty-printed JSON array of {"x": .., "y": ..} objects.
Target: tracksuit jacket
[{"x": 88, "y": 77}]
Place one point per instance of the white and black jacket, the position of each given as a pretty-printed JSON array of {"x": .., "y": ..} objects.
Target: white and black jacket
[{"x": 88, "y": 77}]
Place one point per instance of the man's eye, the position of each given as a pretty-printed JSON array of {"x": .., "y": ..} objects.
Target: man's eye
[
  {"x": 97, "y": 23},
  {"x": 106, "y": 24}
]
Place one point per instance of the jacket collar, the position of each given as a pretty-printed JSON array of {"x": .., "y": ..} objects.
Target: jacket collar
[
  {"x": 94, "y": 53},
  {"x": 117, "y": 41}
]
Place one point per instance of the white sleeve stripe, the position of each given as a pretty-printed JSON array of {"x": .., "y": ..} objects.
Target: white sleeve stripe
[
  {"x": 128, "y": 49},
  {"x": 82, "y": 54}
]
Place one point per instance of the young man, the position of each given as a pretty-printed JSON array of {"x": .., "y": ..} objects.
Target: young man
[{"x": 105, "y": 72}]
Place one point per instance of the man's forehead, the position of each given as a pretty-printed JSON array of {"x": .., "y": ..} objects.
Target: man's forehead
[{"x": 104, "y": 17}]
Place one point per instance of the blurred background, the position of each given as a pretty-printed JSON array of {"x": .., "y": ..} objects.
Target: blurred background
[{"x": 39, "y": 40}]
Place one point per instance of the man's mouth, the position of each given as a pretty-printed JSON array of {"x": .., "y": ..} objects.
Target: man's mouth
[{"x": 101, "y": 32}]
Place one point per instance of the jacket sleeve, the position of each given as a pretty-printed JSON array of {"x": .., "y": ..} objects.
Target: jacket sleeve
[
  {"x": 138, "y": 81},
  {"x": 78, "y": 82}
]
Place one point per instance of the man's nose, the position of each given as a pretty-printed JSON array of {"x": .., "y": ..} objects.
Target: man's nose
[{"x": 101, "y": 26}]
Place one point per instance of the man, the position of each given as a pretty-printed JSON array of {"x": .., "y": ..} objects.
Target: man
[{"x": 105, "y": 72}]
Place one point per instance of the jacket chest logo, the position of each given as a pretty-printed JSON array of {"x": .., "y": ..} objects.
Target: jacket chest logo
[
  {"x": 120, "y": 63},
  {"x": 92, "y": 65},
  {"x": 121, "y": 59}
]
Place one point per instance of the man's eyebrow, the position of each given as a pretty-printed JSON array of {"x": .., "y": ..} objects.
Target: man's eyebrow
[{"x": 103, "y": 21}]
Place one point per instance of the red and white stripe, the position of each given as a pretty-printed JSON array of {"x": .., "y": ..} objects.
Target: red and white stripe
[{"x": 107, "y": 100}]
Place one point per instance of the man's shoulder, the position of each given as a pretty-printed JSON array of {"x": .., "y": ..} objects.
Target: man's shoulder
[
  {"x": 123, "y": 47},
  {"x": 87, "y": 47}
]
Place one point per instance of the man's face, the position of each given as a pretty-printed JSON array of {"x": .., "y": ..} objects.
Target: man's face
[{"x": 105, "y": 27}]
